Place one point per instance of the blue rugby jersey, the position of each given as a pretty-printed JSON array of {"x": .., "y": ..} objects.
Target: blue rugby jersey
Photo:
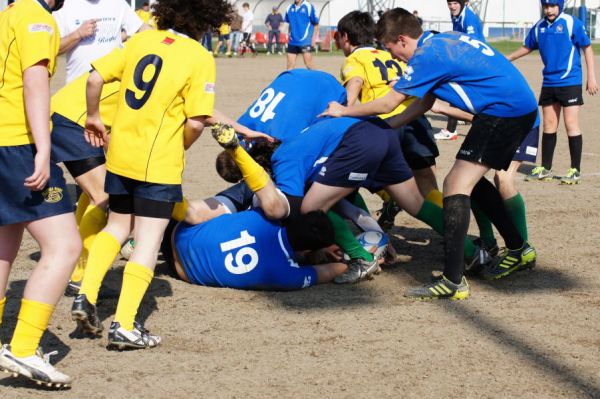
[
  {"x": 292, "y": 102},
  {"x": 468, "y": 22},
  {"x": 297, "y": 161},
  {"x": 467, "y": 73},
  {"x": 302, "y": 19},
  {"x": 559, "y": 44},
  {"x": 242, "y": 250}
]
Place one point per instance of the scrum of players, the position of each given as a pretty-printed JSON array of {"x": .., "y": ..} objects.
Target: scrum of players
[{"x": 296, "y": 160}]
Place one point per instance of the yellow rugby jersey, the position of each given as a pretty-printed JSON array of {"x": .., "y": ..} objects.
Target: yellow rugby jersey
[
  {"x": 224, "y": 29},
  {"x": 165, "y": 78},
  {"x": 28, "y": 35},
  {"x": 146, "y": 17},
  {"x": 376, "y": 68},
  {"x": 70, "y": 101}
]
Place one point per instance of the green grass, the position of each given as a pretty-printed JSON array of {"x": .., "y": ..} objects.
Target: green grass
[{"x": 508, "y": 46}]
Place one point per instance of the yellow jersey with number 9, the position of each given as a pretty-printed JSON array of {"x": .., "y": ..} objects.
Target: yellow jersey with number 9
[
  {"x": 28, "y": 35},
  {"x": 70, "y": 101},
  {"x": 377, "y": 69},
  {"x": 166, "y": 77}
]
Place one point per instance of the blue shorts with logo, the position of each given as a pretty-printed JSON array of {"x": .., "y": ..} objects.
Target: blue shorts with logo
[
  {"x": 19, "y": 204},
  {"x": 368, "y": 156},
  {"x": 68, "y": 142},
  {"x": 527, "y": 151}
]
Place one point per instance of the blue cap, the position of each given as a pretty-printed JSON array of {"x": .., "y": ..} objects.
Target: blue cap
[{"x": 559, "y": 3}]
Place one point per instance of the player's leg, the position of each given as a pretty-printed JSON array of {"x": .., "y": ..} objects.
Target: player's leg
[
  {"x": 550, "y": 118},
  {"x": 10, "y": 241},
  {"x": 308, "y": 58},
  {"x": 291, "y": 57},
  {"x": 151, "y": 219},
  {"x": 571, "y": 118},
  {"x": 513, "y": 201}
]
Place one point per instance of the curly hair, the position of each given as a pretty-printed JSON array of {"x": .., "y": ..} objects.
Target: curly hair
[{"x": 192, "y": 17}]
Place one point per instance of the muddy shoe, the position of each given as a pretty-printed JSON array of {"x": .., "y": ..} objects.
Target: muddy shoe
[{"x": 225, "y": 135}]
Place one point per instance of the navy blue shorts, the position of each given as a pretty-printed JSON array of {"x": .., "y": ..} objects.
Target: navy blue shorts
[
  {"x": 119, "y": 185},
  {"x": 68, "y": 142},
  {"x": 418, "y": 144},
  {"x": 368, "y": 156},
  {"x": 19, "y": 204},
  {"x": 236, "y": 198},
  {"x": 299, "y": 49},
  {"x": 527, "y": 151}
]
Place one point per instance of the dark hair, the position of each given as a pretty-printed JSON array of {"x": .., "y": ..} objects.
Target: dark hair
[
  {"x": 246, "y": 5},
  {"x": 312, "y": 230},
  {"x": 359, "y": 27},
  {"x": 396, "y": 22},
  {"x": 260, "y": 151},
  {"x": 191, "y": 17}
]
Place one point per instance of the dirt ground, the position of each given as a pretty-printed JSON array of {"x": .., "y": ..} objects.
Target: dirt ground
[{"x": 535, "y": 334}]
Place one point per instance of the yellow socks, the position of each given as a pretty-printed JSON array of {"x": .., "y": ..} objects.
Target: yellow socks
[
  {"x": 2, "y": 303},
  {"x": 180, "y": 210},
  {"x": 103, "y": 252},
  {"x": 436, "y": 197},
  {"x": 136, "y": 280},
  {"x": 33, "y": 320},
  {"x": 92, "y": 222},
  {"x": 82, "y": 204},
  {"x": 254, "y": 174}
]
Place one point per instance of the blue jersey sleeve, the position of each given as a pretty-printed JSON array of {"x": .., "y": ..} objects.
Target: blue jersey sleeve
[
  {"x": 313, "y": 17},
  {"x": 531, "y": 41},
  {"x": 580, "y": 36},
  {"x": 472, "y": 25},
  {"x": 423, "y": 72}
]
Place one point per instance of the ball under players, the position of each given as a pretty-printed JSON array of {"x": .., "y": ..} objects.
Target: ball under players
[{"x": 167, "y": 93}]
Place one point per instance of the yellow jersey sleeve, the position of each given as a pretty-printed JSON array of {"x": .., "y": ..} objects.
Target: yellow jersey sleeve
[
  {"x": 70, "y": 101},
  {"x": 111, "y": 66},
  {"x": 28, "y": 35},
  {"x": 352, "y": 68},
  {"x": 199, "y": 95}
]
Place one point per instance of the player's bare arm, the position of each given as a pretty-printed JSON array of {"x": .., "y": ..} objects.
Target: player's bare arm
[
  {"x": 249, "y": 134},
  {"x": 313, "y": 41},
  {"x": 591, "y": 85},
  {"x": 413, "y": 111},
  {"x": 353, "y": 88},
  {"x": 36, "y": 92},
  {"x": 452, "y": 112},
  {"x": 87, "y": 29},
  {"x": 522, "y": 51},
  {"x": 95, "y": 131},
  {"x": 192, "y": 130},
  {"x": 382, "y": 105}
]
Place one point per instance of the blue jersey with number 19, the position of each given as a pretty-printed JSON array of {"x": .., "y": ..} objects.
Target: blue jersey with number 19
[
  {"x": 467, "y": 73},
  {"x": 292, "y": 102},
  {"x": 242, "y": 250}
]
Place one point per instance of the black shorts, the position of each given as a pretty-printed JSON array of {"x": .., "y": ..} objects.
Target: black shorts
[
  {"x": 492, "y": 141},
  {"x": 368, "y": 156},
  {"x": 131, "y": 196},
  {"x": 418, "y": 144},
  {"x": 299, "y": 49},
  {"x": 566, "y": 96},
  {"x": 236, "y": 198}
]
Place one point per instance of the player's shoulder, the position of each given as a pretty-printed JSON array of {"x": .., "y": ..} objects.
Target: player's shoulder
[{"x": 34, "y": 18}]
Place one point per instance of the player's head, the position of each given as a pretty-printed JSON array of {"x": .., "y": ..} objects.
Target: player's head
[
  {"x": 227, "y": 168},
  {"x": 456, "y": 7},
  {"x": 261, "y": 151},
  {"x": 191, "y": 17},
  {"x": 246, "y": 6},
  {"x": 398, "y": 30},
  {"x": 355, "y": 29},
  {"x": 55, "y": 5},
  {"x": 552, "y": 8},
  {"x": 146, "y": 6},
  {"x": 310, "y": 231}
]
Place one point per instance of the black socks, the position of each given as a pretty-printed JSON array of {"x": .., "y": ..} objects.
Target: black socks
[{"x": 548, "y": 145}]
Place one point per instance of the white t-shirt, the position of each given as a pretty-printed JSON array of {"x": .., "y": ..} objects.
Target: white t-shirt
[
  {"x": 112, "y": 16},
  {"x": 248, "y": 17}
]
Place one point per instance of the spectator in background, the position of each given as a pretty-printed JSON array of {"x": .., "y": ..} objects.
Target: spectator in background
[
  {"x": 236, "y": 30},
  {"x": 144, "y": 13},
  {"x": 224, "y": 39},
  {"x": 416, "y": 14},
  {"x": 302, "y": 20},
  {"x": 91, "y": 29},
  {"x": 273, "y": 22},
  {"x": 207, "y": 41},
  {"x": 247, "y": 26}
]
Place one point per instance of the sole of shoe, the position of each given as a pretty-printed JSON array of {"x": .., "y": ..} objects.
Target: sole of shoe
[
  {"x": 549, "y": 178},
  {"x": 569, "y": 183},
  {"x": 83, "y": 323},
  {"x": 37, "y": 381},
  {"x": 122, "y": 346}
]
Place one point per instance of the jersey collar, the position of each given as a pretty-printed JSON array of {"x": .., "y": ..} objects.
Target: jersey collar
[
  {"x": 297, "y": 6},
  {"x": 363, "y": 48},
  {"x": 46, "y": 6},
  {"x": 424, "y": 37},
  {"x": 178, "y": 33}
]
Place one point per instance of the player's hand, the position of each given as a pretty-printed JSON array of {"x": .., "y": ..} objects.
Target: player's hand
[
  {"x": 95, "y": 132},
  {"x": 253, "y": 135},
  {"x": 591, "y": 86},
  {"x": 88, "y": 28},
  {"x": 333, "y": 253},
  {"x": 438, "y": 107},
  {"x": 41, "y": 172},
  {"x": 393, "y": 82},
  {"x": 334, "y": 109}
]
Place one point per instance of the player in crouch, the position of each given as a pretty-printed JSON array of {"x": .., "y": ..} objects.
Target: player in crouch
[
  {"x": 167, "y": 93},
  {"x": 473, "y": 78}
]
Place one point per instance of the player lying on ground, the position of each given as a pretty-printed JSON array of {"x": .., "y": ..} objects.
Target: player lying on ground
[
  {"x": 504, "y": 180},
  {"x": 163, "y": 106},
  {"x": 33, "y": 195},
  {"x": 474, "y": 78}
]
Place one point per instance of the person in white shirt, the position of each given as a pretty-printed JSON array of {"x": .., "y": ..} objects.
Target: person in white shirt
[
  {"x": 90, "y": 29},
  {"x": 247, "y": 25}
]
